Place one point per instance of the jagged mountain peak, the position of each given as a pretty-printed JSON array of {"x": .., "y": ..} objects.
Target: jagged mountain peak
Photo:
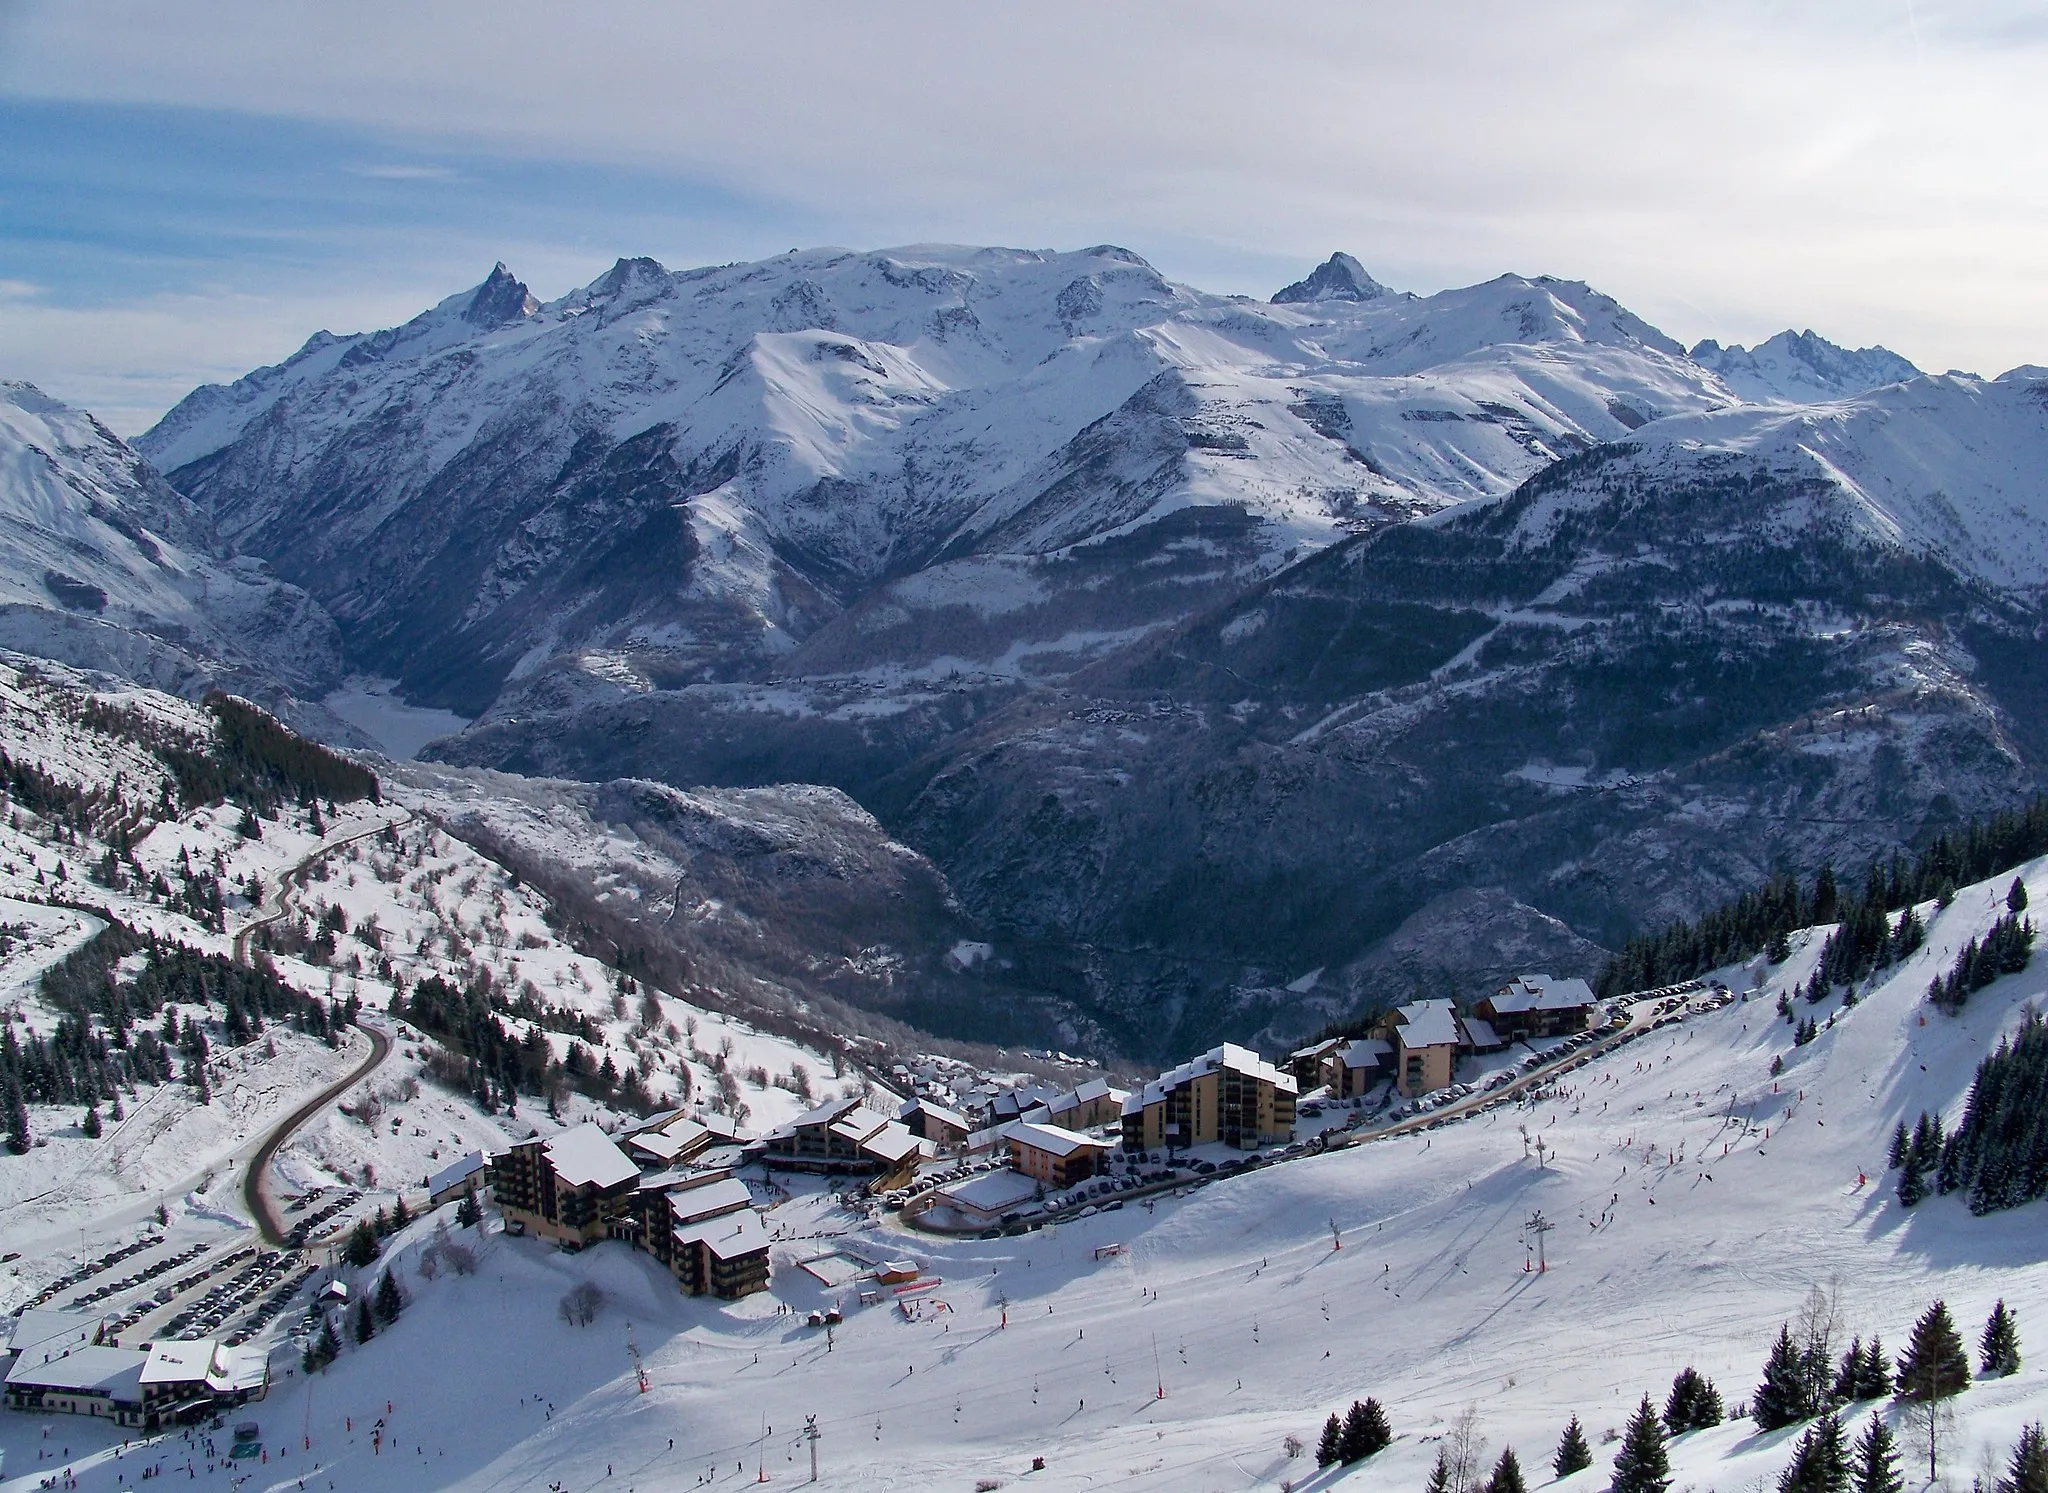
[
  {"x": 1795, "y": 367},
  {"x": 1338, "y": 278},
  {"x": 500, "y": 299}
]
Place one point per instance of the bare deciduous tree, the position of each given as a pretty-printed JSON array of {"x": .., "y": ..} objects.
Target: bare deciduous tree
[{"x": 579, "y": 1307}]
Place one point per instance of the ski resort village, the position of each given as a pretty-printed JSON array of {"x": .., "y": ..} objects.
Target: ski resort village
[{"x": 343, "y": 1152}]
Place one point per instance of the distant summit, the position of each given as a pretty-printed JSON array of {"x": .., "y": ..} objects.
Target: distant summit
[
  {"x": 1338, "y": 278},
  {"x": 1798, "y": 367},
  {"x": 501, "y": 298}
]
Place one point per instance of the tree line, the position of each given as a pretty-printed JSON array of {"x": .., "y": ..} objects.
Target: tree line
[
  {"x": 1998, "y": 1154},
  {"x": 1764, "y": 918}
]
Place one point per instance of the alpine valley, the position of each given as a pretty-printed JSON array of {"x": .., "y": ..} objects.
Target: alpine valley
[{"x": 1207, "y": 667}]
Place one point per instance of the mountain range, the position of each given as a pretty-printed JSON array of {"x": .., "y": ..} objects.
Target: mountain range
[{"x": 1235, "y": 663}]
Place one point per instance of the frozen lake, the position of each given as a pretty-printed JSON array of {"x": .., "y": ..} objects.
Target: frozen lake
[{"x": 399, "y": 729}]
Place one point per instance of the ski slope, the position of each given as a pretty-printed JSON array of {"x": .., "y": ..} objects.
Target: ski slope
[{"x": 1689, "y": 1224}]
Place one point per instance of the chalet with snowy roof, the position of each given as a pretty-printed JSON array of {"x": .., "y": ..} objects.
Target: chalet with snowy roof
[
  {"x": 675, "y": 1139},
  {"x": 44, "y": 1333},
  {"x": 1229, "y": 1095},
  {"x": 135, "y": 1388},
  {"x": 1423, "y": 1038},
  {"x": 708, "y": 1234},
  {"x": 1017, "y": 1103},
  {"x": 569, "y": 1187},
  {"x": 1054, "y": 1156},
  {"x": 465, "y": 1174},
  {"x": 1309, "y": 1064},
  {"x": 1537, "y": 1006},
  {"x": 1092, "y": 1104},
  {"x": 842, "y": 1136},
  {"x": 946, "y": 1129},
  {"x": 1352, "y": 1068}
]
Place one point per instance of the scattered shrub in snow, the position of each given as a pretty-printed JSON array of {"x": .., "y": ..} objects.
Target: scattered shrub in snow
[{"x": 579, "y": 1306}]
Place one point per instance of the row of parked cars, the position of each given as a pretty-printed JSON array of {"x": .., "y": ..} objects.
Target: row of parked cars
[
  {"x": 143, "y": 1276},
  {"x": 273, "y": 1305},
  {"x": 958, "y": 1172},
  {"x": 302, "y": 1230},
  {"x": 202, "y": 1318},
  {"x": 91, "y": 1268}
]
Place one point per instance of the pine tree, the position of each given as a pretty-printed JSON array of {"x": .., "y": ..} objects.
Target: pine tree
[
  {"x": 1507, "y": 1474},
  {"x": 1846, "y": 1374},
  {"x": 1365, "y": 1431},
  {"x": 1876, "y": 1468},
  {"x": 2029, "y": 1470},
  {"x": 90, "y": 1126},
  {"x": 1934, "y": 1365},
  {"x": 1694, "y": 1403},
  {"x": 1439, "y": 1476},
  {"x": 1874, "y": 1379},
  {"x": 1913, "y": 1178},
  {"x": 389, "y": 1302},
  {"x": 362, "y": 1246},
  {"x": 18, "y": 1137},
  {"x": 1351, "y": 1445},
  {"x": 366, "y": 1328},
  {"x": 1573, "y": 1453},
  {"x": 1820, "y": 1464},
  {"x": 1781, "y": 1400},
  {"x": 2016, "y": 896},
  {"x": 2000, "y": 1345},
  {"x": 321, "y": 1350},
  {"x": 1326, "y": 1449},
  {"x": 400, "y": 1214},
  {"x": 469, "y": 1212},
  {"x": 1642, "y": 1465},
  {"x": 1902, "y": 1144}
]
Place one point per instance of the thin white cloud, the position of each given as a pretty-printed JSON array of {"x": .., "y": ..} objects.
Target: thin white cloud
[
  {"x": 1727, "y": 170},
  {"x": 402, "y": 173}
]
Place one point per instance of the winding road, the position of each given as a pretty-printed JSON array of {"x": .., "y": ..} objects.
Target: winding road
[{"x": 256, "y": 1181}]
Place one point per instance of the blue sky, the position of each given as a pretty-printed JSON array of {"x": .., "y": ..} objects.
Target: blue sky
[{"x": 186, "y": 192}]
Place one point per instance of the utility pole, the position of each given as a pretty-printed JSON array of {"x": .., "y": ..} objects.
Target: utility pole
[
  {"x": 1539, "y": 1226},
  {"x": 811, "y": 1435}
]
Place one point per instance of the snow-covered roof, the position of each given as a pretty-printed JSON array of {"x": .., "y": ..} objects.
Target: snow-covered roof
[
  {"x": 991, "y": 1192},
  {"x": 457, "y": 1172},
  {"x": 1365, "y": 1052},
  {"x": 587, "y": 1157},
  {"x": 892, "y": 1143},
  {"x": 1541, "y": 993},
  {"x": 858, "y": 1124},
  {"x": 1320, "y": 1049},
  {"x": 189, "y": 1362},
  {"x": 1237, "y": 1059},
  {"x": 48, "y": 1329},
  {"x": 1426, "y": 1024},
  {"x": 1051, "y": 1138},
  {"x": 708, "y": 1201},
  {"x": 1480, "y": 1033},
  {"x": 825, "y": 1114},
  {"x": 728, "y": 1235},
  {"x": 933, "y": 1111},
  {"x": 116, "y": 1372}
]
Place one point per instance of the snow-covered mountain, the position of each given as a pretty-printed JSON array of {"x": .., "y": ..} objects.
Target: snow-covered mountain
[
  {"x": 1799, "y": 367},
  {"x": 103, "y": 564},
  {"x": 1199, "y": 641},
  {"x": 1941, "y": 465},
  {"x": 694, "y": 474}
]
